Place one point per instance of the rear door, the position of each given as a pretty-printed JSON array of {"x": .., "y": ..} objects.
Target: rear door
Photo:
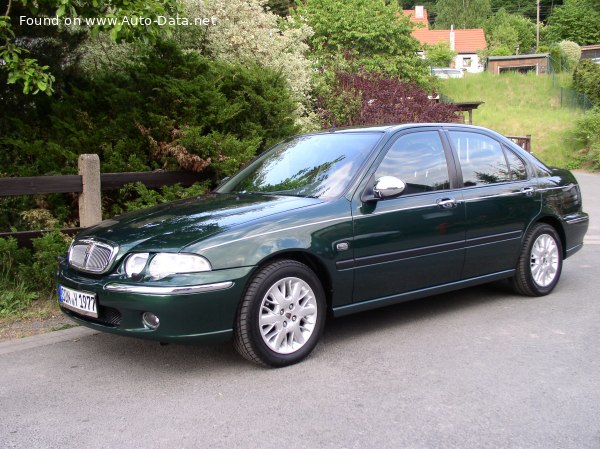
[{"x": 500, "y": 199}]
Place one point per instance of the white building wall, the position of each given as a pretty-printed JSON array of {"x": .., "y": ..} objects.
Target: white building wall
[{"x": 468, "y": 61}]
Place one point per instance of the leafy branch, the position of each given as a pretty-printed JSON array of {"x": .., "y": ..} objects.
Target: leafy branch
[{"x": 36, "y": 78}]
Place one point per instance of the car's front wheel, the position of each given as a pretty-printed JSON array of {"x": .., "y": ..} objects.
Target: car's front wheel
[
  {"x": 282, "y": 314},
  {"x": 540, "y": 263}
]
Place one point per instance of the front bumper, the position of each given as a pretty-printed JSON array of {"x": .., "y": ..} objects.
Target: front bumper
[{"x": 195, "y": 307}]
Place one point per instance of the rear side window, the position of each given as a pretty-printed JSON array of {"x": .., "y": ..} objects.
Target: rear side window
[
  {"x": 419, "y": 160},
  {"x": 481, "y": 159},
  {"x": 518, "y": 172}
]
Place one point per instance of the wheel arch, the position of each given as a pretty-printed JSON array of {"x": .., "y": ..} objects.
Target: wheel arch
[
  {"x": 313, "y": 262},
  {"x": 557, "y": 225}
]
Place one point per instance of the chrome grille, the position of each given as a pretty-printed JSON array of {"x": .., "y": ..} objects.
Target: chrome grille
[
  {"x": 91, "y": 256},
  {"x": 77, "y": 255}
]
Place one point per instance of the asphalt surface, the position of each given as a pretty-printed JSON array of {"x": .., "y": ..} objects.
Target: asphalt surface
[{"x": 479, "y": 368}]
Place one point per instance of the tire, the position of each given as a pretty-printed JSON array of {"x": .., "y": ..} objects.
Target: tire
[
  {"x": 540, "y": 262},
  {"x": 281, "y": 316}
]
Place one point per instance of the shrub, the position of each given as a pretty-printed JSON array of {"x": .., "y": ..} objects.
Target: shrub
[
  {"x": 570, "y": 52},
  {"x": 46, "y": 250},
  {"x": 15, "y": 298},
  {"x": 136, "y": 196},
  {"x": 248, "y": 33},
  {"x": 160, "y": 98},
  {"x": 15, "y": 294},
  {"x": 501, "y": 51},
  {"x": 177, "y": 109},
  {"x": 12, "y": 258},
  {"x": 27, "y": 275},
  {"x": 586, "y": 80},
  {"x": 39, "y": 218},
  {"x": 440, "y": 55},
  {"x": 380, "y": 100},
  {"x": 588, "y": 135}
]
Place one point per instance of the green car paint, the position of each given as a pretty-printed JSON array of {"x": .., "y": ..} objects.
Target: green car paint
[{"x": 367, "y": 252}]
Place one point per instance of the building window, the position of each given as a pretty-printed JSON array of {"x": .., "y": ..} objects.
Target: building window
[{"x": 467, "y": 62}]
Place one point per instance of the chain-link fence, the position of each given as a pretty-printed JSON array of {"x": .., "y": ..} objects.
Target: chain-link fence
[{"x": 569, "y": 97}]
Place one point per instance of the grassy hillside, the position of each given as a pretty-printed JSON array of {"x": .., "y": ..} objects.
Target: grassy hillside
[{"x": 518, "y": 104}]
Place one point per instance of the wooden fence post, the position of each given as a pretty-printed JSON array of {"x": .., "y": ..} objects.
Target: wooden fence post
[{"x": 90, "y": 203}]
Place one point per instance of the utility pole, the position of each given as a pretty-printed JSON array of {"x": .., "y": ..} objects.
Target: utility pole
[{"x": 537, "y": 41}]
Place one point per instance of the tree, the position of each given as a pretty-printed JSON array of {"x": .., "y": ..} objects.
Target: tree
[
  {"x": 462, "y": 13},
  {"x": 22, "y": 14},
  {"x": 440, "y": 55},
  {"x": 362, "y": 35},
  {"x": 527, "y": 8},
  {"x": 373, "y": 99},
  {"x": 510, "y": 31},
  {"x": 53, "y": 51},
  {"x": 577, "y": 21}
]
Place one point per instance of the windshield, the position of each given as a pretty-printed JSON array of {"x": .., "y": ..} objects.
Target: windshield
[{"x": 318, "y": 166}]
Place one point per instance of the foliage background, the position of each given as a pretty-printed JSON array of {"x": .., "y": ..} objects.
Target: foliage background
[{"x": 210, "y": 98}]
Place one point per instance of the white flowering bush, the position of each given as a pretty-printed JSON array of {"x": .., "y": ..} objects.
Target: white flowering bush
[
  {"x": 247, "y": 33},
  {"x": 571, "y": 52}
]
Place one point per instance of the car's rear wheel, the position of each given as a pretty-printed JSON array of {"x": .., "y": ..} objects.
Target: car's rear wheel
[
  {"x": 282, "y": 314},
  {"x": 540, "y": 262}
]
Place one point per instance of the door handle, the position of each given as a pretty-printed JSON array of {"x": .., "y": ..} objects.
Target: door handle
[
  {"x": 447, "y": 203},
  {"x": 527, "y": 191}
]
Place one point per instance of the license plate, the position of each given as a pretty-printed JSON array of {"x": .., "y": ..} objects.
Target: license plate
[{"x": 83, "y": 303}]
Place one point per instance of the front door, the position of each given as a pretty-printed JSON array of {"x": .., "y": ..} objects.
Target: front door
[{"x": 416, "y": 240}]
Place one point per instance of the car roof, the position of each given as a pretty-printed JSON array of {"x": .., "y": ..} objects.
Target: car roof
[
  {"x": 396, "y": 127},
  {"x": 356, "y": 129}
]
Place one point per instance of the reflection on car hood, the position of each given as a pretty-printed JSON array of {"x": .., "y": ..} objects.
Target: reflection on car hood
[{"x": 171, "y": 226}]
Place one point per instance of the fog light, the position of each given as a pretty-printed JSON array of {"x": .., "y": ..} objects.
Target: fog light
[{"x": 150, "y": 320}]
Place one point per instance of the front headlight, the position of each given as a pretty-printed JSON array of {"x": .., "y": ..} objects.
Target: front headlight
[
  {"x": 164, "y": 264},
  {"x": 135, "y": 263}
]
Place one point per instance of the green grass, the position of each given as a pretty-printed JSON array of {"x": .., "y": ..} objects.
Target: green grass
[{"x": 517, "y": 104}]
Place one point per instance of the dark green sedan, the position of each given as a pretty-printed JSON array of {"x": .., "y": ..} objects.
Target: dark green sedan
[{"x": 324, "y": 225}]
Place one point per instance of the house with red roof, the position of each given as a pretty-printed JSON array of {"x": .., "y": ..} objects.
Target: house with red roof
[{"x": 466, "y": 42}]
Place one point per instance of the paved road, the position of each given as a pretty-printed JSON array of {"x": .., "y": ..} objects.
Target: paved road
[{"x": 481, "y": 368}]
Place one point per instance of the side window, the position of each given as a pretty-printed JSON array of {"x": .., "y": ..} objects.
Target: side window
[
  {"x": 518, "y": 172},
  {"x": 418, "y": 159},
  {"x": 481, "y": 159}
]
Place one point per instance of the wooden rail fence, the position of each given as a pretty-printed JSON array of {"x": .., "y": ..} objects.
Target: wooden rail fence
[
  {"x": 88, "y": 184},
  {"x": 38, "y": 185},
  {"x": 523, "y": 141}
]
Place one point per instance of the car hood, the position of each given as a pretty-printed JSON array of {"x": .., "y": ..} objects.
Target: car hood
[{"x": 172, "y": 226}]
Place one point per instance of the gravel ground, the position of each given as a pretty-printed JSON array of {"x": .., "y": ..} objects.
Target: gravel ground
[{"x": 11, "y": 329}]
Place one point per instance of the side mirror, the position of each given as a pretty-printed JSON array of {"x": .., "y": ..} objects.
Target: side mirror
[{"x": 388, "y": 187}]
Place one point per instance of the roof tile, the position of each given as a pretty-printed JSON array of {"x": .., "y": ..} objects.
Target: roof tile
[{"x": 465, "y": 41}]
